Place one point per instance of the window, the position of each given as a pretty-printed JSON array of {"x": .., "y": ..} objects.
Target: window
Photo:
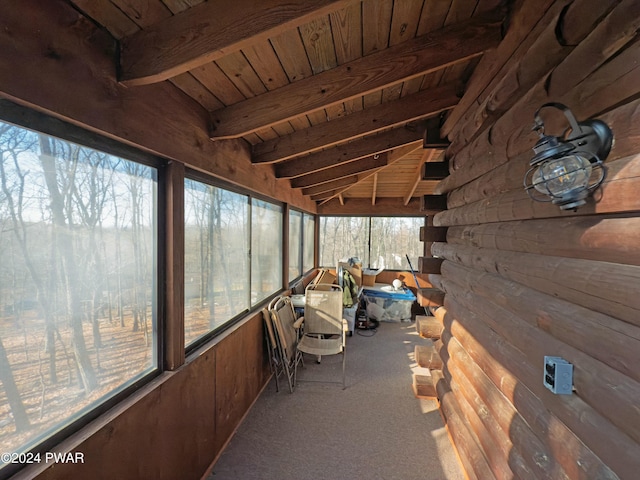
[
  {"x": 216, "y": 257},
  {"x": 295, "y": 244},
  {"x": 392, "y": 238},
  {"x": 266, "y": 249},
  {"x": 309, "y": 242},
  {"x": 343, "y": 237},
  {"x": 379, "y": 242},
  {"x": 77, "y": 282}
]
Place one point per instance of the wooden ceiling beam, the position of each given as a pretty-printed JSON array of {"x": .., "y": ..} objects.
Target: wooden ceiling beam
[
  {"x": 349, "y": 152},
  {"x": 340, "y": 171},
  {"x": 401, "y": 62},
  {"x": 393, "y": 157},
  {"x": 331, "y": 186},
  {"x": 427, "y": 156},
  {"x": 362, "y": 206},
  {"x": 368, "y": 121},
  {"x": 208, "y": 32}
]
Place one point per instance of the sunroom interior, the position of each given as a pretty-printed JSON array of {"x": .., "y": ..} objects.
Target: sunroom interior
[{"x": 168, "y": 167}]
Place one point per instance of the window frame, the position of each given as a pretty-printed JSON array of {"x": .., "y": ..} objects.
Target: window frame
[
  {"x": 27, "y": 118},
  {"x": 199, "y": 176},
  {"x": 369, "y": 218}
]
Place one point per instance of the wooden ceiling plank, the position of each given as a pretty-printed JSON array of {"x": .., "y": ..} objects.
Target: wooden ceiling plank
[
  {"x": 404, "y": 24},
  {"x": 364, "y": 122},
  {"x": 376, "y": 25},
  {"x": 265, "y": 62},
  {"x": 349, "y": 152},
  {"x": 429, "y": 153},
  {"x": 209, "y": 31},
  {"x": 392, "y": 158},
  {"x": 407, "y": 60},
  {"x": 144, "y": 13},
  {"x": 192, "y": 87},
  {"x": 216, "y": 81},
  {"x": 106, "y": 13},
  {"x": 237, "y": 68},
  {"x": 325, "y": 187},
  {"x": 318, "y": 43},
  {"x": 346, "y": 25},
  {"x": 346, "y": 170}
]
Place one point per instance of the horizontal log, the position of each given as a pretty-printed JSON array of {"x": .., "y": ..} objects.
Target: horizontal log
[
  {"x": 596, "y": 38},
  {"x": 615, "y": 83},
  {"x": 474, "y": 462},
  {"x": 616, "y": 195},
  {"x": 528, "y": 456},
  {"x": 608, "y": 288},
  {"x": 433, "y": 234},
  {"x": 428, "y": 297},
  {"x": 428, "y": 326},
  {"x": 610, "y": 397},
  {"x": 494, "y": 444},
  {"x": 427, "y": 356},
  {"x": 496, "y": 359},
  {"x": 523, "y": 20},
  {"x": 429, "y": 264},
  {"x": 602, "y": 238},
  {"x": 618, "y": 343}
]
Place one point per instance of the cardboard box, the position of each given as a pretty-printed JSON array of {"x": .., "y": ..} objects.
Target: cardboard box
[{"x": 368, "y": 280}]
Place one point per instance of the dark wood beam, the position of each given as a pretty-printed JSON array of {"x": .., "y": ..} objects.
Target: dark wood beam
[
  {"x": 362, "y": 206},
  {"x": 208, "y": 32},
  {"x": 435, "y": 170},
  {"x": 365, "y": 147},
  {"x": 410, "y": 59},
  {"x": 346, "y": 170},
  {"x": 368, "y": 121},
  {"x": 392, "y": 157},
  {"x": 331, "y": 186}
]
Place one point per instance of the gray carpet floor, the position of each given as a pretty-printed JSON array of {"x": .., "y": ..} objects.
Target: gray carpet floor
[{"x": 374, "y": 429}]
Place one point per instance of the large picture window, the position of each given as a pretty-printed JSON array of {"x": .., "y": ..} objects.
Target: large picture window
[
  {"x": 295, "y": 244},
  {"x": 309, "y": 242},
  {"x": 379, "y": 242},
  {"x": 77, "y": 281},
  {"x": 233, "y": 256},
  {"x": 216, "y": 257},
  {"x": 266, "y": 249}
]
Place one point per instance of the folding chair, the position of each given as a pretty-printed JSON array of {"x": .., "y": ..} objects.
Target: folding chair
[
  {"x": 324, "y": 328},
  {"x": 286, "y": 328}
]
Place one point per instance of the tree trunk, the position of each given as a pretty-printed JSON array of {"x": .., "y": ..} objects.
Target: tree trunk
[
  {"x": 87, "y": 373},
  {"x": 13, "y": 395}
]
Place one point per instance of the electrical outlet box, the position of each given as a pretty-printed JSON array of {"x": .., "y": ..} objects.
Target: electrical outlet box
[{"x": 558, "y": 375}]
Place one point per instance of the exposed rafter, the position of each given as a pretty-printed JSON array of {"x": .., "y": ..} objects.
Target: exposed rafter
[
  {"x": 370, "y": 120},
  {"x": 401, "y": 62},
  {"x": 208, "y": 32},
  {"x": 348, "y": 152},
  {"x": 392, "y": 157},
  {"x": 351, "y": 168}
]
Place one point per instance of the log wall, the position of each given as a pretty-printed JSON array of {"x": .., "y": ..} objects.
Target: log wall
[{"x": 523, "y": 279}]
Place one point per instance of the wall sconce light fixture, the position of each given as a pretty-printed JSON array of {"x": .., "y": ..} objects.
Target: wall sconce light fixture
[{"x": 566, "y": 170}]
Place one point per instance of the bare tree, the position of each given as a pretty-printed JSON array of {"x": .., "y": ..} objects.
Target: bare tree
[{"x": 59, "y": 199}]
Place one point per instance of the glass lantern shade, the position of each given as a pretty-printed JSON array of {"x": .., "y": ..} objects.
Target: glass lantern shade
[
  {"x": 560, "y": 176},
  {"x": 566, "y": 180}
]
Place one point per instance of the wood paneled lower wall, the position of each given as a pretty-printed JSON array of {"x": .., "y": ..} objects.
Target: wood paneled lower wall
[
  {"x": 524, "y": 280},
  {"x": 176, "y": 426}
]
